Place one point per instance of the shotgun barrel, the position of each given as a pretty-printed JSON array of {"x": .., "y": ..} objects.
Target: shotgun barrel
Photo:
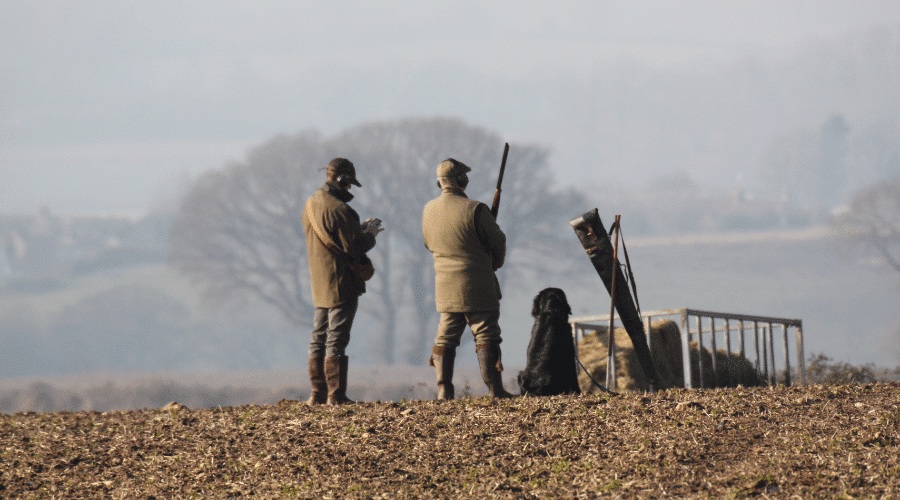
[{"x": 495, "y": 206}]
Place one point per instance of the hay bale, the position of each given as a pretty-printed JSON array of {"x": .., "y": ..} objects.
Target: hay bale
[
  {"x": 732, "y": 370},
  {"x": 665, "y": 348}
]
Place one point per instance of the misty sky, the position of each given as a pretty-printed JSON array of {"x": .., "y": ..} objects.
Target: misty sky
[{"x": 105, "y": 106}]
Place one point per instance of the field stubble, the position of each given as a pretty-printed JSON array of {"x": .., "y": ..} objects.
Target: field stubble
[{"x": 739, "y": 443}]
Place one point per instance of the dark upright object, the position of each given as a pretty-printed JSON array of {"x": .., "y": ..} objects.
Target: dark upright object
[
  {"x": 596, "y": 243},
  {"x": 550, "y": 363},
  {"x": 495, "y": 206}
]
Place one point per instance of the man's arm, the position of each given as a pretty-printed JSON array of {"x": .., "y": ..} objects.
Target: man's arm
[{"x": 491, "y": 235}]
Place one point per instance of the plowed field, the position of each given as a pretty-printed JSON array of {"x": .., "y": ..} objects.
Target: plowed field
[{"x": 816, "y": 441}]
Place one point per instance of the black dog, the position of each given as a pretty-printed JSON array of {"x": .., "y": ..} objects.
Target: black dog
[{"x": 550, "y": 368}]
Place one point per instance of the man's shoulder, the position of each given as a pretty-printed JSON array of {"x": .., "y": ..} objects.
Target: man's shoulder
[
  {"x": 318, "y": 196},
  {"x": 340, "y": 210},
  {"x": 451, "y": 197},
  {"x": 437, "y": 203},
  {"x": 326, "y": 201},
  {"x": 473, "y": 206}
]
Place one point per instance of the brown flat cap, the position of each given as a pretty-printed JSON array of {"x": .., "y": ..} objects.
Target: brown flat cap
[{"x": 451, "y": 167}]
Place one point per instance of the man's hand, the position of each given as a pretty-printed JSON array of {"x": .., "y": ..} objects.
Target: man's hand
[{"x": 372, "y": 226}]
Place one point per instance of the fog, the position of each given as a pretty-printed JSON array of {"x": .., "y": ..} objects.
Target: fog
[
  {"x": 106, "y": 104},
  {"x": 688, "y": 117}
]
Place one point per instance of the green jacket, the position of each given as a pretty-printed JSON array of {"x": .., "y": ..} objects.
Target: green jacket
[
  {"x": 467, "y": 246},
  {"x": 332, "y": 281}
]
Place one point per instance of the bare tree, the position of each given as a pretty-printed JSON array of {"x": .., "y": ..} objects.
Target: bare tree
[
  {"x": 239, "y": 229},
  {"x": 872, "y": 222}
]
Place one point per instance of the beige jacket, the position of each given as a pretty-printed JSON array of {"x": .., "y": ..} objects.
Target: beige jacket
[
  {"x": 467, "y": 246},
  {"x": 332, "y": 281}
]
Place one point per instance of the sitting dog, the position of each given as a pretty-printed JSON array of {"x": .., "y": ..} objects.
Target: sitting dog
[{"x": 550, "y": 367}]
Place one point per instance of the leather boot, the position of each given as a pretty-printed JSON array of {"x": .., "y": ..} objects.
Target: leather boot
[
  {"x": 442, "y": 359},
  {"x": 489, "y": 361},
  {"x": 336, "y": 378},
  {"x": 317, "y": 382}
]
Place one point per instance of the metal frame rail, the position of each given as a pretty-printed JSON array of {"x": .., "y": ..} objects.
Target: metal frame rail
[{"x": 762, "y": 327}]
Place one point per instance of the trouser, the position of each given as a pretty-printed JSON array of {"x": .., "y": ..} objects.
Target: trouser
[
  {"x": 484, "y": 324},
  {"x": 331, "y": 329}
]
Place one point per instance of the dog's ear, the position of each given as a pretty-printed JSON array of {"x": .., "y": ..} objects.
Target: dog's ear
[
  {"x": 566, "y": 308},
  {"x": 536, "y": 304}
]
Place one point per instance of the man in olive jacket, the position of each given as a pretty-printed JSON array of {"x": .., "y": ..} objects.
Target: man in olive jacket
[
  {"x": 467, "y": 246},
  {"x": 335, "y": 240}
]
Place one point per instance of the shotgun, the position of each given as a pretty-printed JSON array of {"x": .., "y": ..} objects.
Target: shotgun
[{"x": 495, "y": 207}]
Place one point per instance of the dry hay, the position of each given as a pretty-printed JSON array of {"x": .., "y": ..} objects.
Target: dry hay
[
  {"x": 732, "y": 369},
  {"x": 665, "y": 348}
]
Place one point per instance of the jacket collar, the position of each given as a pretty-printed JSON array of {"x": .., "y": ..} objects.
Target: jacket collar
[
  {"x": 335, "y": 190},
  {"x": 454, "y": 191}
]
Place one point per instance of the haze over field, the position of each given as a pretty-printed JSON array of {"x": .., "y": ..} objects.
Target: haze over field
[{"x": 106, "y": 106}]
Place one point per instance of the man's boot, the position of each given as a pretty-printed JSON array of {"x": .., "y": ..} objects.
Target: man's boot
[
  {"x": 336, "y": 378},
  {"x": 442, "y": 359},
  {"x": 317, "y": 382},
  {"x": 489, "y": 361}
]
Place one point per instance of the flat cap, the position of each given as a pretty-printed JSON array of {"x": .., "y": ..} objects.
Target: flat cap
[{"x": 451, "y": 167}]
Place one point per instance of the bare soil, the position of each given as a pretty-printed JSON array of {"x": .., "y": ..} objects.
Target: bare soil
[{"x": 816, "y": 441}]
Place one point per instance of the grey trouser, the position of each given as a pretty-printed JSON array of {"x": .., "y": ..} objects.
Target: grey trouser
[
  {"x": 484, "y": 324},
  {"x": 331, "y": 329}
]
